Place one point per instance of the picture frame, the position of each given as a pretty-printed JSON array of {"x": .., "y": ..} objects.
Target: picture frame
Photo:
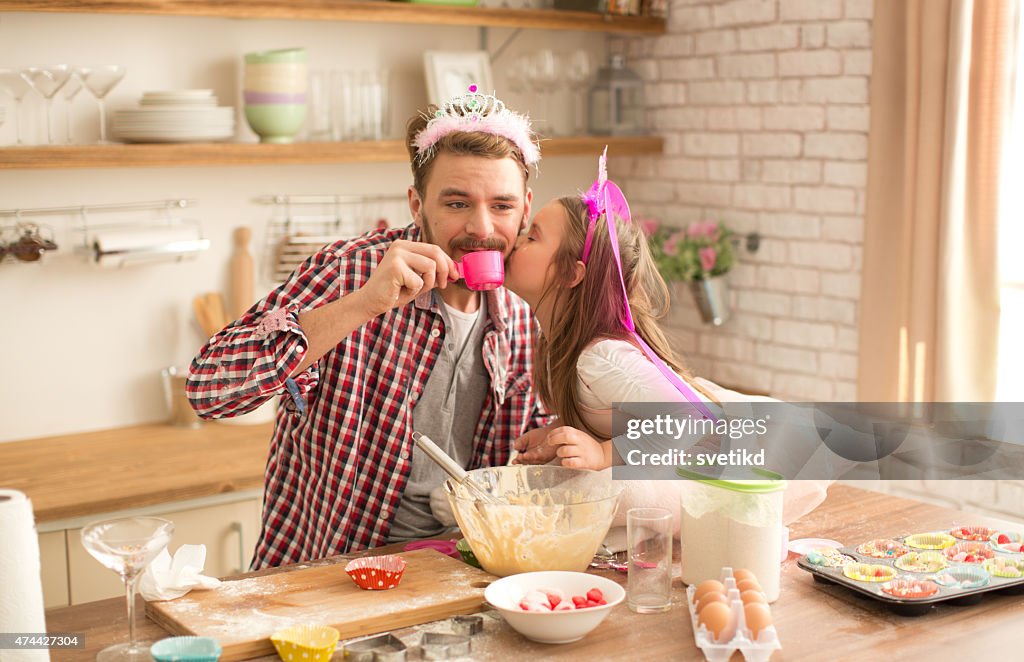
[{"x": 450, "y": 73}]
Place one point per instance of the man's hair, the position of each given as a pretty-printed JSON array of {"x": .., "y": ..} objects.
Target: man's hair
[
  {"x": 593, "y": 309},
  {"x": 474, "y": 143}
]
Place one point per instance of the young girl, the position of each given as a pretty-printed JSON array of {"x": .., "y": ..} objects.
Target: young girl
[
  {"x": 587, "y": 357},
  {"x": 597, "y": 349}
]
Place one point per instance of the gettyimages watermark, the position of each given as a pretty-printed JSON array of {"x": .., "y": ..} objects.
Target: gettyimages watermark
[{"x": 821, "y": 440}]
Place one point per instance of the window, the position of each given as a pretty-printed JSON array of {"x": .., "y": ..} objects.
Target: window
[{"x": 1010, "y": 380}]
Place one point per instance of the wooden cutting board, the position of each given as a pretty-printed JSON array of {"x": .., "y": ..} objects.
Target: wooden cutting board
[{"x": 242, "y": 614}]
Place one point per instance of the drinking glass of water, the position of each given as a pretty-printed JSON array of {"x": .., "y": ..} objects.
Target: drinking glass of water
[{"x": 649, "y": 540}]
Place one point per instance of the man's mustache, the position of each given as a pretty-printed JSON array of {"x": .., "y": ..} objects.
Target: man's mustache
[{"x": 492, "y": 244}]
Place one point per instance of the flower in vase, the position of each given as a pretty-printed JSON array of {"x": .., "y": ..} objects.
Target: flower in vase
[{"x": 702, "y": 250}]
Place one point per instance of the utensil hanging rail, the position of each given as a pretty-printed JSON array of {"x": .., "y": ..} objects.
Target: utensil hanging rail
[{"x": 174, "y": 203}]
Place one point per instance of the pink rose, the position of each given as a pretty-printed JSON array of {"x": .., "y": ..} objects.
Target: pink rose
[
  {"x": 708, "y": 257},
  {"x": 671, "y": 245},
  {"x": 648, "y": 226},
  {"x": 695, "y": 229},
  {"x": 711, "y": 230}
]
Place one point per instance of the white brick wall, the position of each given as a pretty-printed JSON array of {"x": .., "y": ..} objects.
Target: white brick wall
[{"x": 763, "y": 105}]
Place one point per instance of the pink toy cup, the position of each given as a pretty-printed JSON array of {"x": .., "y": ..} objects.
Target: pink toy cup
[{"x": 483, "y": 270}]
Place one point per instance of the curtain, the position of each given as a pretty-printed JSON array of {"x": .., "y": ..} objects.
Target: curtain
[{"x": 940, "y": 99}]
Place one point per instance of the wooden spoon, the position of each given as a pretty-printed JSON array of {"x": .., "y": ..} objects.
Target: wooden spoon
[
  {"x": 218, "y": 314},
  {"x": 202, "y": 312}
]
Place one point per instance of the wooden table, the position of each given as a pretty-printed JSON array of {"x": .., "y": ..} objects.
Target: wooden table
[{"x": 814, "y": 621}]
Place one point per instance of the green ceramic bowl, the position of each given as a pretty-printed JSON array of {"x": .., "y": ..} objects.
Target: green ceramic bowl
[
  {"x": 467, "y": 553},
  {"x": 278, "y": 55},
  {"x": 276, "y": 122}
]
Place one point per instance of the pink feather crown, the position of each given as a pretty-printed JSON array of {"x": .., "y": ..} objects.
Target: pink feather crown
[{"x": 475, "y": 112}]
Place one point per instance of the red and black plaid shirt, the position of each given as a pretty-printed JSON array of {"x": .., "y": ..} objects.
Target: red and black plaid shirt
[{"x": 337, "y": 471}]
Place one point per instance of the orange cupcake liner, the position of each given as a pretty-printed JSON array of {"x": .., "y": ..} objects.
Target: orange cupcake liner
[{"x": 376, "y": 573}]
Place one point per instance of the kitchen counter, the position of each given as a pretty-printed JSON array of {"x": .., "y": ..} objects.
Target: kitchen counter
[
  {"x": 127, "y": 468},
  {"x": 814, "y": 621}
]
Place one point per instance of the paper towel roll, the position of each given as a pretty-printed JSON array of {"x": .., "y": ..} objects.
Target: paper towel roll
[
  {"x": 21, "y": 600},
  {"x": 122, "y": 247},
  {"x": 117, "y": 241}
]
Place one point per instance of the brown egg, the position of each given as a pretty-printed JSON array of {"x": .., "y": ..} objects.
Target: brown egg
[
  {"x": 708, "y": 586},
  {"x": 758, "y": 617},
  {"x": 715, "y": 617},
  {"x": 753, "y": 596},
  {"x": 708, "y": 598},
  {"x": 741, "y": 574},
  {"x": 748, "y": 585}
]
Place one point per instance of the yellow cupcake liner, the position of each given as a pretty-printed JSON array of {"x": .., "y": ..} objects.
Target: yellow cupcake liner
[
  {"x": 306, "y": 643},
  {"x": 930, "y": 540},
  {"x": 868, "y": 572},
  {"x": 1002, "y": 566},
  {"x": 923, "y": 562}
]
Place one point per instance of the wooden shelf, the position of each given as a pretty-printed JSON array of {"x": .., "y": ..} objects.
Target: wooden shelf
[
  {"x": 228, "y": 154},
  {"x": 365, "y": 12}
]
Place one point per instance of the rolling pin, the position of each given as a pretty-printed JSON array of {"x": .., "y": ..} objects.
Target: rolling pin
[{"x": 241, "y": 268}]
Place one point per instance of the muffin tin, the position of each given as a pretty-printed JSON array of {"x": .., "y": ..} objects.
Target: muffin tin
[{"x": 910, "y": 573}]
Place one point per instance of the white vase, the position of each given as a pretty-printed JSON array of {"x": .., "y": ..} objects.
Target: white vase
[{"x": 712, "y": 297}]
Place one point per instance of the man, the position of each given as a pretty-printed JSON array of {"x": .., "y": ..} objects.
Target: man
[{"x": 373, "y": 338}]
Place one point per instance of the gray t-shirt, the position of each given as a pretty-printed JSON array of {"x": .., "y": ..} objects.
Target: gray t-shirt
[{"x": 447, "y": 412}]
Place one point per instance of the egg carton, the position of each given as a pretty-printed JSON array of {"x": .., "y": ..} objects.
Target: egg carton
[
  {"x": 973, "y": 579},
  {"x": 736, "y": 635}
]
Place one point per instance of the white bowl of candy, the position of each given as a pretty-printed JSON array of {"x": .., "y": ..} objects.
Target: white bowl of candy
[{"x": 554, "y": 606}]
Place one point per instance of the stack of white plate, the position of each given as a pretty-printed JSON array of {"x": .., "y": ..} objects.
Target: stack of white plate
[{"x": 180, "y": 116}]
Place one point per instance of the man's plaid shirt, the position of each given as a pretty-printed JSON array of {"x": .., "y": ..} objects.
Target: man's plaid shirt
[{"x": 337, "y": 470}]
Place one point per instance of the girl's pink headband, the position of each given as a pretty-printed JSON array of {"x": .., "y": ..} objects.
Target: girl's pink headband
[{"x": 605, "y": 198}]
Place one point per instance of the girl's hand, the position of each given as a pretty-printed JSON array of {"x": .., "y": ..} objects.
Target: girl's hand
[
  {"x": 532, "y": 447},
  {"x": 577, "y": 449}
]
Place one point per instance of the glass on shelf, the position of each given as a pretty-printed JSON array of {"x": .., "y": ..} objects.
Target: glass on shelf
[
  {"x": 100, "y": 80},
  {"x": 127, "y": 546},
  {"x": 544, "y": 75},
  {"x": 14, "y": 85},
  {"x": 69, "y": 92},
  {"x": 47, "y": 81},
  {"x": 577, "y": 74}
]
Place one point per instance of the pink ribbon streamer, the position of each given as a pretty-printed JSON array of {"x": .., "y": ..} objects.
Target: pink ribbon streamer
[{"x": 611, "y": 195}]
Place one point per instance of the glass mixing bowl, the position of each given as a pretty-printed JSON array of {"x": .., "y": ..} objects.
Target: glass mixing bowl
[{"x": 555, "y": 518}]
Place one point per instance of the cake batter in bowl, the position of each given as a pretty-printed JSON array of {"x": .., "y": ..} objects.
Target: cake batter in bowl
[{"x": 555, "y": 518}]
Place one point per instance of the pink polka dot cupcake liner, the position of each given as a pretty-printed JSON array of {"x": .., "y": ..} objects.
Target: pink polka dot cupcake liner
[{"x": 376, "y": 573}]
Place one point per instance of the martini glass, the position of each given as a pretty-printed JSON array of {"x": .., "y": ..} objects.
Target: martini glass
[
  {"x": 16, "y": 87},
  {"x": 47, "y": 81},
  {"x": 126, "y": 546},
  {"x": 543, "y": 73},
  {"x": 99, "y": 81},
  {"x": 70, "y": 91},
  {"x": 577, "y": 74}
]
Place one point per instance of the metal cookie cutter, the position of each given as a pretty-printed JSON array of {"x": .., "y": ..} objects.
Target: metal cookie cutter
[
  {"x": 382, "y": 648},
  {"x": 440, "y": 646},
  {"x": 467, "y": 624}
]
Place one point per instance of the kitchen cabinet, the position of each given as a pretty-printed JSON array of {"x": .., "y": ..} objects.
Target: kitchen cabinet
[
  {"x": 53, "y": 560},
  {"x": 225, "y": 154}
]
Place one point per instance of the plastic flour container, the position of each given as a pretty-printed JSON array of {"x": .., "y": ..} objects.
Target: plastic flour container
[{"x": 732, "y": 523}]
